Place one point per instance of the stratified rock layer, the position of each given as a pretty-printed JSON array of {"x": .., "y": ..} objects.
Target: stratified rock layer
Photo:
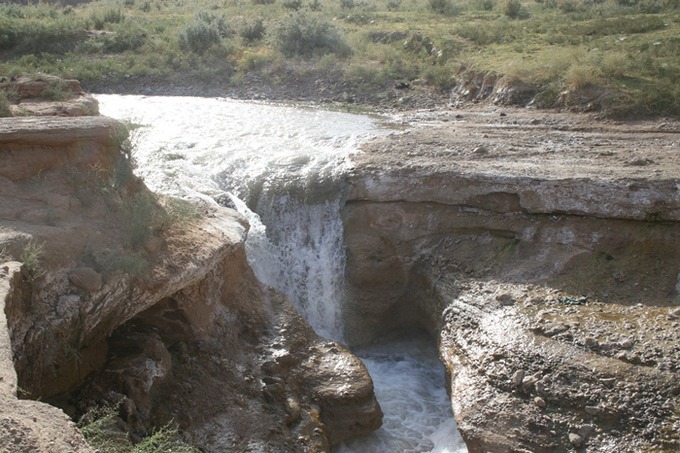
[
  {"x": 542, "y": 254},
  {"x": 118, "y": 303}
]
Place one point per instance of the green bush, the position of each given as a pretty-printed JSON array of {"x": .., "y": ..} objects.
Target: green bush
[
  {"x": 305, "y": 34},
  {"x": 511, "y": 8},
  {"x": 393, "y": 5},
  {"x": 129, "y": 38},
  {"x": 101, "y": 430},
  {"x": 204, "y": 32},
  {"x": 252, "y": 30},
  {"x": 5, "y": 109},
  {"x": 292, "y": 4},
  {"x": 25, "y": 38},
  {"x": 31, "y": 257},
  {"x": 110, "y": 16},
  {"x": 440, "y": 6},
  {"x": 57, "y": 90}
]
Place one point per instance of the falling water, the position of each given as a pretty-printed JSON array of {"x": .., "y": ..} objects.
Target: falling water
[{"x": 283, "y": 168}]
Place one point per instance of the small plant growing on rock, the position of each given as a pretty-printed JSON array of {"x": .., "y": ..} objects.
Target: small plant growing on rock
[
  {"x": 5, "y": 109},
  {"x": 100, "y": 428},
  {"x": 8, "y": 94},
  {"x": 30, "y": 256},
  {"x": 57, "y": 90}
]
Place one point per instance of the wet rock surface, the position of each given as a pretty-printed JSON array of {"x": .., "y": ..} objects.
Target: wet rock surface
[{"x": 543, "y": 262}]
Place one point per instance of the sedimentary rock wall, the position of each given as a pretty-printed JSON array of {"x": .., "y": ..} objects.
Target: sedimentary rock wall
[
  {"x": 120, "y": 303},
  {"x": 553, "y": 298}
]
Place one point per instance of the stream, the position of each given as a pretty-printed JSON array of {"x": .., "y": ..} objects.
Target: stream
[{"x": 283, "y": 168}]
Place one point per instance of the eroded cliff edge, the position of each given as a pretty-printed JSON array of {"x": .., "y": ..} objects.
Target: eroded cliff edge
[
  {"x": 542, "y": 252},
  {"x": 147, "y": 304}
]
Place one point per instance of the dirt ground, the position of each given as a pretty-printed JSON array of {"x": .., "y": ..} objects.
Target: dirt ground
[{"x": 534, "y": 143}]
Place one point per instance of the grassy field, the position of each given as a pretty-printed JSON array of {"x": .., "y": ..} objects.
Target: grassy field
[{"x": 618, "y": 56}]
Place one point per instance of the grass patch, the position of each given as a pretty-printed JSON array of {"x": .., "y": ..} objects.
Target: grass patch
[{"x": 233, "y": 42}]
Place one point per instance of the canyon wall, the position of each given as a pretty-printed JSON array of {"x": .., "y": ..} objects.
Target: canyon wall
[
  {"x": 552, "y": 293},
  {"x": 147, "y": 304}
]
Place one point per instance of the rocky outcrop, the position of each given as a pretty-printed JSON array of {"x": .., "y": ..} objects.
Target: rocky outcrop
[
  {"x": 124, "y": 300},
  {"x": 45, "y": 95},
  {"x": 549, "y": 277},
  {"x": 27, "y": 426}
]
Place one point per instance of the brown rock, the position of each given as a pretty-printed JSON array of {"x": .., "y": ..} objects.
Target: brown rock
[{"x": 86, "y": 278}]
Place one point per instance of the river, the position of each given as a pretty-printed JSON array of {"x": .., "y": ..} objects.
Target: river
[{"x": 283, "y": 167}]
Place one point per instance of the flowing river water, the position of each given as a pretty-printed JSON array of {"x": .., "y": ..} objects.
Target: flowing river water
[{"x": 283, "y": 167}]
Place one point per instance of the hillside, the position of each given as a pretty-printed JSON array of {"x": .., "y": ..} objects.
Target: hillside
[{"x": 620, "y": 57}]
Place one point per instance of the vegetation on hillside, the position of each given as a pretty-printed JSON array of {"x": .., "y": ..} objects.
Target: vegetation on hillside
[{"x": 622, "y": 56}]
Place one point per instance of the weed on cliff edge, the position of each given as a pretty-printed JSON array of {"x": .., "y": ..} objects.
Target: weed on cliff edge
[
  {"x": 30, "y": 256},
  {"x": 101, "y": 430}
]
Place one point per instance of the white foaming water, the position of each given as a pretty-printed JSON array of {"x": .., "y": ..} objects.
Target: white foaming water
[
  {"x": 287, "y": 165},
  {"x": 409, "y": 383},
  {"x": 282, "y": 162}
]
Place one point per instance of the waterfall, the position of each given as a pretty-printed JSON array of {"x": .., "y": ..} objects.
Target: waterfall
[
  {"x": 282, "y": 167},
  {"x": 301, "y": 254}
]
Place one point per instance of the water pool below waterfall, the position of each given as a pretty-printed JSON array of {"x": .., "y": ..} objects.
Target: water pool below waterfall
[{"x": 283, "y": 168}]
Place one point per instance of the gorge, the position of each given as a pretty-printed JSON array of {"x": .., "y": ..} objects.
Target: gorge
[{"x": 539, "y": 254}]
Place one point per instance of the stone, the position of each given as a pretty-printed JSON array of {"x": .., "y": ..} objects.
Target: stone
[
  {"x": 585, "y": 431},
  {"x": 575, "y": 440},
  {"x": 505, "y": 299},
  {"x": 626, "y": 343},
  {"x": 592, "y": 410},
  {"x": 555, "y": 329},
  {"x": 592, "y": 343},
  {"x": 540, "y": 402},
  {"x": 674, "y": 314},
  {"x": 540, "y": 387},
  {"x": 517, "y": 378},
  {"x": 85, "y": 278},
  {"x": 528, "y": 382}
]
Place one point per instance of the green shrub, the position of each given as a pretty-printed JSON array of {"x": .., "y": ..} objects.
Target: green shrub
[
  {"x": 110, "y": 16},
  {"x": 5, "y": 109},
  {"x": 57, "y": 90},
  {"x": 511, "y": 8},
  {"x": 442, "y": 77},
  {"x": 252, "y": 30},
  {"x": 180, "y": 212},
  {"x": 440, "y": 6},
  {"x": 101, "y": 430},
  {"x": 393, "y": 5},
  {"x": 25, "y": 38},
  {"x": 129, "y": 38},
  {"x": 485, "y": 5},
  {"x": 305, "y": 34},
  {"x": 204, "y": 32},
  {"x": 30, "y": 256},
  {"x": 292, "y": 4}
]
